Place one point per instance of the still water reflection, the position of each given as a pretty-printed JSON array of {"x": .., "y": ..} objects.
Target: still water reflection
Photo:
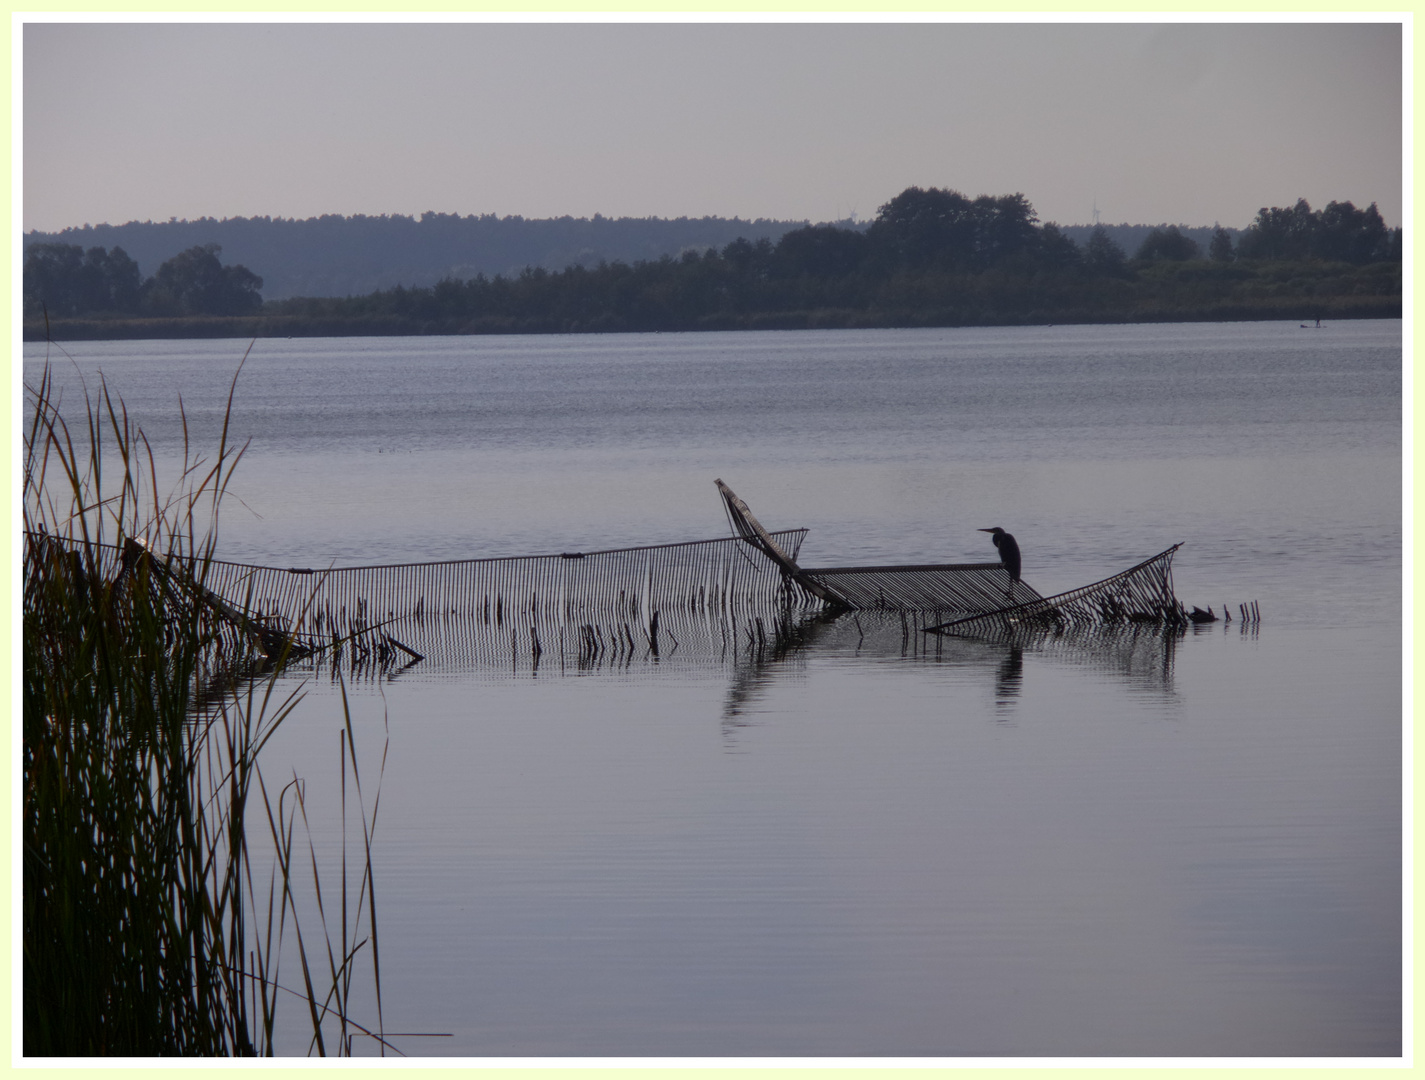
[
  {"x": 874, "y": 843},
  {"x": 870, "y": 843}
]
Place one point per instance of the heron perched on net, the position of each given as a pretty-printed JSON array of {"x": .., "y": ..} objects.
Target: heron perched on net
[{"x": 1008, "y": 550}]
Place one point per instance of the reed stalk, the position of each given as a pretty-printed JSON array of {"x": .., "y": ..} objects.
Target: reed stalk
[{"x": 147, "y": 928}]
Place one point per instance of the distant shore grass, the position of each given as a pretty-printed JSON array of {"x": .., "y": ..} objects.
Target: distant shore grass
[
  {"x": 150, "y": 925},
  {"x": 1288, "y": 308}
]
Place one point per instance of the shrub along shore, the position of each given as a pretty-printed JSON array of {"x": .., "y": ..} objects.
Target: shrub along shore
[{"x": 1294, "y": 308}]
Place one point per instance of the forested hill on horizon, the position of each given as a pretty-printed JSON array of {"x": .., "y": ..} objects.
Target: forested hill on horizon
[
  {"x": 338, "y": 256},
  {"x": 931, "y": 257},
  {"x": 334, "y": 255}
]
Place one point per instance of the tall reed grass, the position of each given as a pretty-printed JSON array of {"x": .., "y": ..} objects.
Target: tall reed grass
[{"x": 161, "y": 869}]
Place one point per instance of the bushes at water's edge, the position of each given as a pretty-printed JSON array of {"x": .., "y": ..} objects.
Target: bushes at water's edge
[
  {"x": 755, "y": 288},
  {"x": 826, "y": 318}
]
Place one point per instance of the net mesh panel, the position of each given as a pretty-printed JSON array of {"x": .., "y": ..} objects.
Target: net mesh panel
[
  {"x": 602, "y": 587},
  {"x": 962, "y": 588},
  {"x": 1140, "y": 594},
  {"x": 965, "y": 588}
]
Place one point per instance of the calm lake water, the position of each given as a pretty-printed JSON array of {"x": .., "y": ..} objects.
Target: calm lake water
[{"x": 870, "y": 847}]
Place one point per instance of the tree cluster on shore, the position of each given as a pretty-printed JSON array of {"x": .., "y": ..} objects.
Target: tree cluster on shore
[
  {"x": 930, "y": 257},
  {"x": 64, "y": 281}
]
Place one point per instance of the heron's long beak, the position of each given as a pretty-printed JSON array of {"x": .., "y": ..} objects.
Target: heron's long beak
[{"x": 984, "y": 530}]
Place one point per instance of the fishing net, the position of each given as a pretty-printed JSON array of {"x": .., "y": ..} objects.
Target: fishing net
[
  {"x": 742, "y": 594},
  {"x": 944, "y": 587},
  {"x": 1141, "y": 594},
  {"x": 636, "y": 587}
]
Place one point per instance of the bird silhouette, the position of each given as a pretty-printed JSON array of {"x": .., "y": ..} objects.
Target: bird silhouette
[{"x": 1008, "y": 550}]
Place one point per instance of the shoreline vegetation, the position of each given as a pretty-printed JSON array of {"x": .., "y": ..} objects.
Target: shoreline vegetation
[
  {"x": 1294, "y": 309},
  {"x": 172, "y": 903},
  {"x": 931, "y": 258}
]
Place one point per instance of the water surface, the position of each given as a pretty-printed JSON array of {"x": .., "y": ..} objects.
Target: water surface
[{"x": 869, "y": 846}]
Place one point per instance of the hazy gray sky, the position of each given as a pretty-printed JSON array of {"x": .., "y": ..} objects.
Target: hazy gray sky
[{"x": 1153, "y": 122}]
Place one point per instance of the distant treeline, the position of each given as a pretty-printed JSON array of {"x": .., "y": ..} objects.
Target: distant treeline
[
  {"x": 930, "y": 257},
  {"x": 336, "y": 255}
]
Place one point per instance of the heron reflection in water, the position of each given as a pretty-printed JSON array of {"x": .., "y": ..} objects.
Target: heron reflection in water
[
  {"x": 1008, "y": 550},
  {"x": 1008, "y": 680}
]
